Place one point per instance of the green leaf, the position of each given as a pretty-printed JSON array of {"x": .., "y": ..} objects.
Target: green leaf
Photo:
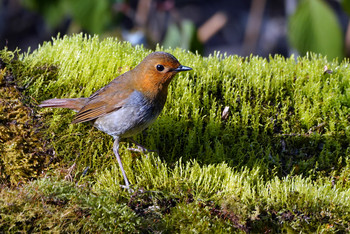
[
  {"x": 52, "y": 11},
  {"x": 184, "y": 36},
  {"x": 314, "y": 27},
  {"x": 172, "y": 37},
  {"x": 346, "y": 6},
  {"x": 93, "y": 16}
]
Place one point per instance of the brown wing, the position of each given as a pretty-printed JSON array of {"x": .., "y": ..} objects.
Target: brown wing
[{"x": 104, "y": 101}]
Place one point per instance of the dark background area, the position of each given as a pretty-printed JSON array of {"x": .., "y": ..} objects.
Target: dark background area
[{"x": 258, "y": 27}]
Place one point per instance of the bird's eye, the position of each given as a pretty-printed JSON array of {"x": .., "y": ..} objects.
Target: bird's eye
[{"x": 160, "y": 67}]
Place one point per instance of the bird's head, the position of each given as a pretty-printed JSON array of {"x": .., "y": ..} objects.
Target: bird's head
[{"x": 155, "y": 72}]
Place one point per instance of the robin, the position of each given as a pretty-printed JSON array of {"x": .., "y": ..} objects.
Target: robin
[{"x": 129, "y": 103}]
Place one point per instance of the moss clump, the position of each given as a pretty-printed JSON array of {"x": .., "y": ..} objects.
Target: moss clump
[
  {"x": 284, "y": 114},
  {"x": 216, "y": 196},
  {"x": 24, "y": 153},
  {"x": 188, "y": 197},
  {"x": 277, "y": 161},
  {"x": 60, "y": 206}
]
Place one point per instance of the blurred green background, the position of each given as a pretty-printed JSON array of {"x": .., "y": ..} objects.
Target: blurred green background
[{"x": 260, "y": 27}]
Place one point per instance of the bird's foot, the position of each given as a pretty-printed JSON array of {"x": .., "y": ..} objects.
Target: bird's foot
[
  {"x": 140, "y": 148},
  {"x": 130, "y": 190}
]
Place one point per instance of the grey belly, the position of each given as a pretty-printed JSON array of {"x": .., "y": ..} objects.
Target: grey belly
[
  {"x": 127, "y": 121},
  {"x": 134, "y": 116}
]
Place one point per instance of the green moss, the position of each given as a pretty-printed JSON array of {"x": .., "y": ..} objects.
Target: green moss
[
  {"x": 60, "y": 206},
  {"x": 24, "y": 152},
  {"x": 234, "y": 200},
  {"x": 188, "y": 197},
  {"x": 284, "y": 113},
  {"x": 278, "y": 161}
]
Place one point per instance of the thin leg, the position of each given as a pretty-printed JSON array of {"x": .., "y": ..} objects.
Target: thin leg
[
  {"x": 116, "y": 152},
  {"x": 140, "y": 147}
]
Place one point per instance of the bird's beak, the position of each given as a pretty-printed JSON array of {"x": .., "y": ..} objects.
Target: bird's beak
[{"x": 182, "y": 68}]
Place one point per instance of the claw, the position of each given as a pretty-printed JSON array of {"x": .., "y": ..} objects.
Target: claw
[{"x": 140, "y": 148}]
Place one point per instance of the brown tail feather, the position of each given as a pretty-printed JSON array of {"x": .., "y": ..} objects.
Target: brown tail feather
[{"x": 70, "y": 103}]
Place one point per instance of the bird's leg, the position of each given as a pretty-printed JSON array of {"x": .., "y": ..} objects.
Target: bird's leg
[
  {"x": 140, "y": 148},
  {"x": 116, "y": 152}
]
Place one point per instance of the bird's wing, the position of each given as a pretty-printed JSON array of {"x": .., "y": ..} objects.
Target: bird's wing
[{"x": 104, "y": 101}]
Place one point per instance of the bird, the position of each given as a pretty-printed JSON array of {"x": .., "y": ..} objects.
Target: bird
[{"x": 129, "y": 103}]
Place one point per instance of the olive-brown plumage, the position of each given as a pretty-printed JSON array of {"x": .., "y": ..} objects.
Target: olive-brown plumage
[{"x": 129, "y": 103}]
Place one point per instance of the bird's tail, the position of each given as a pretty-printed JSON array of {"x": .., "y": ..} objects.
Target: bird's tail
[{"x": 70, "y": 103}]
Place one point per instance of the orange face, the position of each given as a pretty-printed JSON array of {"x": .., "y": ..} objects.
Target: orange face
[{"x": 154, "y": 73}]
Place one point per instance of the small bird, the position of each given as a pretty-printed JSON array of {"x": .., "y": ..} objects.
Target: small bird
[{"x": 129, "y": 103}]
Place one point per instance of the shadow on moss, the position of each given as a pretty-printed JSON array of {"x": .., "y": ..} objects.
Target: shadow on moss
[{"x": 25, "y": 153}]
